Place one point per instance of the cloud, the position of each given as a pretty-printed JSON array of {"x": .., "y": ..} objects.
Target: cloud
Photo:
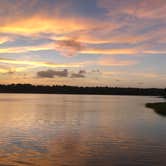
[
  {"x": 52, "y": 73},
  {"x": 31, "y": 17},
  {"x": 61, "y": 73},
  {"x": 73, "y": 47},
  {"x": 79, "y": 74},
  {"x": 102, "y": 51},
  {"x": 109, "y": 61},
  {"x": 138, "y": 74},
  {"x": 24, "y": 49},
  {"x": 39, "y": 63},
  {"x": 14, "y": 69},
  {"x": 42, "y": 24},
  {"x": 69, "y": 47},
  {"x": 95, "y": 71},
  {"x": 4, "y": 39},
  {"x": 74, "y": 33},
  {"x": 3, "y": 70}
]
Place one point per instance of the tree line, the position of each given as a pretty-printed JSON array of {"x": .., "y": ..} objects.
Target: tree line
[{"x": 56, "y": 89}]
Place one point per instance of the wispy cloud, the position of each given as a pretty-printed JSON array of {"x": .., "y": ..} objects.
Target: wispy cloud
[
  {"x": 109, "y": 61},
  {"x": 39, "y": 63},
  {"x": 4, "y": 39},
  {"x": 14, "y": 69},
  {"x": 110, "y": 51},
  {"x": 24, "y": 49}
]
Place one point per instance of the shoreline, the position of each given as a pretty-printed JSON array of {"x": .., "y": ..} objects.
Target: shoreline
[
  {"x": 98, "y": 94},
  {"x": 159, "y": 107},
  {"x": 65, "y": 89}
]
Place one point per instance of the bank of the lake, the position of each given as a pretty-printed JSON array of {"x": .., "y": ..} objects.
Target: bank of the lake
[{"x": 159, "y": 108}]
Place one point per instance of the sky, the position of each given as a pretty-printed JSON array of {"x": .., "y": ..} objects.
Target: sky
[{"x": 118, "y": 43}]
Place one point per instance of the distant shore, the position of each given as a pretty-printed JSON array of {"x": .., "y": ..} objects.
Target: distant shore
[{"x": 65, "y": 89}]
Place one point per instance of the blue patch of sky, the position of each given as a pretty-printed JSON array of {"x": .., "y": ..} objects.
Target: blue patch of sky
[
  {"x": 21, "y": 41},
  {"x": 88, "y": 8}
]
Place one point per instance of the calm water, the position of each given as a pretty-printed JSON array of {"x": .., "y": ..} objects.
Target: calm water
[{"x": 75, "y": 130}]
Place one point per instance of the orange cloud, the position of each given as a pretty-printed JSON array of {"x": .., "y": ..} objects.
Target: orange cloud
[
  {"x": 4, "y": 39},
  {"x": 39, "y": 63},
  {"x": 155, "y": 52},
  {"x": 109, "y": 51},
  {"x": 24, "y": 49},
  {"x": 3, "y": 70},
  {"x": 42, "y": 24},
  {"x": 88, "y": 38},
  {"x": 14, "y": 69},
  {"x": 35, "y": 17}
]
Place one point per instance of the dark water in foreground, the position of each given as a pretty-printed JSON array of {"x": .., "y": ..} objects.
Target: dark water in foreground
[{"x": 75, "y": 130}]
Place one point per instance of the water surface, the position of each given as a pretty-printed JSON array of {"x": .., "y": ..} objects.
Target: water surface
[{"x": 80, "y": 130}]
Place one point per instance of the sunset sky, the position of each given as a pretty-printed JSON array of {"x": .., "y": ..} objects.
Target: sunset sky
[{"x": 83, "y": 42}]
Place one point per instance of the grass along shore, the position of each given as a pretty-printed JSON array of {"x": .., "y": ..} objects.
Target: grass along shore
[{"x": 159, "y": 108}]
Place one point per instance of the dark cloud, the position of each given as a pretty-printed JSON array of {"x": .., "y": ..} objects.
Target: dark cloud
[
  {"x": 80, "y": 74},
  {"x": 62, "y": 73},
  {"x": 71, "y": 44},
  {"x": 69, "y": 47},
  {"x": 96, "y": 71},
  {"x": 140, "y": 83},
  {"x": 52, "y": 73}
]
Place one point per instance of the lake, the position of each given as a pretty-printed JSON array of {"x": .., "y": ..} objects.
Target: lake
[{"x": 80, "y": 130}]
